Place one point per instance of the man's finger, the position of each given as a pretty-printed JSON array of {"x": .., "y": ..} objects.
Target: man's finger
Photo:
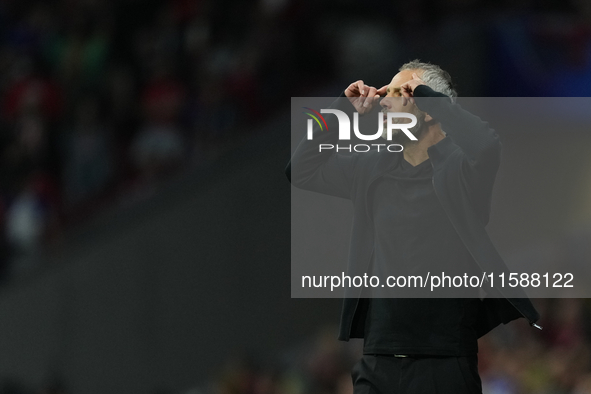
[
  {"x": 361, "y": 87},
  {"x": 365, "y": 96},
  {"x": 404, "y": 90},
  {"x": 382, "y": 90},
  {"x": 355, "y": 89},
  {"x": 371, "y": 93},
  {"x": 407, "y": 91}
]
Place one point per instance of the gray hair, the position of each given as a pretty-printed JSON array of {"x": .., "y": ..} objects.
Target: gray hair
[{"x": 434, "y": 76}]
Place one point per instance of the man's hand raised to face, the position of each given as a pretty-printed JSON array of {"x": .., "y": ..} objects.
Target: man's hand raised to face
[
  {"x": 407, "y": 89},
  {"x": 363, "y": 97}
]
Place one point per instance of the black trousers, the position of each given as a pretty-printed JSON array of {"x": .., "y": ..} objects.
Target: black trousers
[{"x": 384, "y": 374}]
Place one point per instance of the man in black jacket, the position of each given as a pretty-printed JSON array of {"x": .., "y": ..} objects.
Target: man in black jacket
[{"x": 424, "y": 207}]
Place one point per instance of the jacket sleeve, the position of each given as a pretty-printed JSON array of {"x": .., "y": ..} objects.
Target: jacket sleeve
[
  {"x": 325, "y": 171},
  {"x": 474, "y": 136},
  {"x": 479, "y": 143},
  {"x": 494, "y": 312}
]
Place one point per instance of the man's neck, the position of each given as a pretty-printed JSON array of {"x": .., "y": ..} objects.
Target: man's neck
[{"x": 415, "y": 153}]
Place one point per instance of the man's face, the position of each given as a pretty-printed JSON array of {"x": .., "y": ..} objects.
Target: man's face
[{"x": 393, "y": 103}]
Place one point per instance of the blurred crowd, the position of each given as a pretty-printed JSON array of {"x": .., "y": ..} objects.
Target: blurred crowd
[
  {"x": 100, "y": 101},
  {"x": 513, "y": 359}
]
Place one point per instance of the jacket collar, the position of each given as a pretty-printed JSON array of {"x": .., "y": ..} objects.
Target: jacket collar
[
  {"x": 441, "y": 150},
  {"x": 386, "y": 161}
]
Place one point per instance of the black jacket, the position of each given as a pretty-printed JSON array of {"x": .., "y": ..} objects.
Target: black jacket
[{"x": 465, "y": 164}]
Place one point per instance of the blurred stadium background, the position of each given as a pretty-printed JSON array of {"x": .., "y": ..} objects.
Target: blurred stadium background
[{"x": 144, "y": 244}]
